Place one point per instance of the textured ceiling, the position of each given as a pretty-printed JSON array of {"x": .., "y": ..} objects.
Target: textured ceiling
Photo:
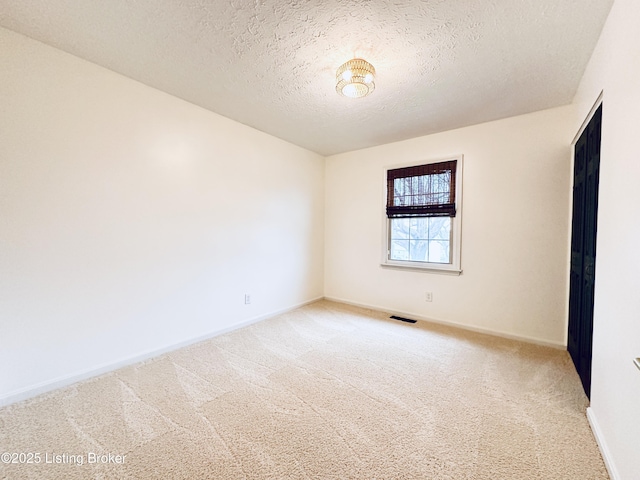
[{"x": 270, "y": 64}]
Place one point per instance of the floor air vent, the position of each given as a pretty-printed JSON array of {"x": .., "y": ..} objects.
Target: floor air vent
[{"x": 402, "y": 319}]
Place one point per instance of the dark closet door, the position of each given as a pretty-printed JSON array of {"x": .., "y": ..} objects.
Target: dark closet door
[{"x": 583, "y": 248}]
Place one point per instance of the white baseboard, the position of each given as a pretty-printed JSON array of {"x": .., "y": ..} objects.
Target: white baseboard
[
  {"x": 66, "y": 380},
  {"x": 602, "y": 445},
  {"x": 487, "y": 331}
]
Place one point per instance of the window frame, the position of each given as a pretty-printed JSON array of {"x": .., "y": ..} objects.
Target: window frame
[{"x": 453, "y": 268}]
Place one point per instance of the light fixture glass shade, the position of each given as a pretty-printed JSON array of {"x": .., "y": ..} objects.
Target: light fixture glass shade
[{"x": 356, "y": 78}]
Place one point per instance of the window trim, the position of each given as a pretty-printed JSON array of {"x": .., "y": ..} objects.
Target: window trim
[{"x": 453, "y": 268}]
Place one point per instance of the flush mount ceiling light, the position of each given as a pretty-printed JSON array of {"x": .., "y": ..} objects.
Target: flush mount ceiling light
[{"x": 355, "y": 78}]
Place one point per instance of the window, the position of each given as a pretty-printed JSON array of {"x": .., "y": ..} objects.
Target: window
[{"x": 423, "y": 211}]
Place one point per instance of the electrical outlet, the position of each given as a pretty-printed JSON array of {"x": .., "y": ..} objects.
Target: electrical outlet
[
  {"x": 428, "y": 297},
  {"x": 247, "y": 299}
]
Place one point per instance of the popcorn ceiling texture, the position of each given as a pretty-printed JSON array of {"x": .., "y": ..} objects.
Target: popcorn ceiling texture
[
  {"x": 324, "y": 392},
  {"x": 270, "y": 64}
]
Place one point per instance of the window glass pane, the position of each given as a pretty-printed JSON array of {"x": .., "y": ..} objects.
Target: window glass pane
[
  {"x": 433, "y": 189},
  {"x": 422, "y": 190},
  {"x": 419, "y": 250},
  {"x": 400, "y": 228},
  {"x": 398, "y": 190},
  {"x": 439, "y": 251},
  {"x": 399, "y": 250},
  {"x": 419, "y": 228},
  {"x": 439, "y": 228},
  {"x": 402, "y": 191},
  {"x": 442, "y": 180}
]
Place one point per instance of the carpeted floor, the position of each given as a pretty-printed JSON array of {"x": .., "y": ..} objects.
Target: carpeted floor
[{"x": 324, "y": 392}]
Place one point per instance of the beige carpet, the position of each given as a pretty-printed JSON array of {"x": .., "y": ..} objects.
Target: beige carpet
[{"x": 324, "y": 392}]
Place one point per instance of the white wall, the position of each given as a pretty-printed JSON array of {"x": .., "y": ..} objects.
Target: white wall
[
  {"x": 131, "y": 221},
  {"x": 615, "y": 391},
  {"x": 514, "y": 228}
]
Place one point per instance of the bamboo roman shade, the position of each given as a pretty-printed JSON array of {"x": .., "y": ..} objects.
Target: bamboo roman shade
[{"x": 422, "y": 191}]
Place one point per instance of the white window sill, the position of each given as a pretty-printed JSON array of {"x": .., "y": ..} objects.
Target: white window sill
[{"x": 426, "y": 267}]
